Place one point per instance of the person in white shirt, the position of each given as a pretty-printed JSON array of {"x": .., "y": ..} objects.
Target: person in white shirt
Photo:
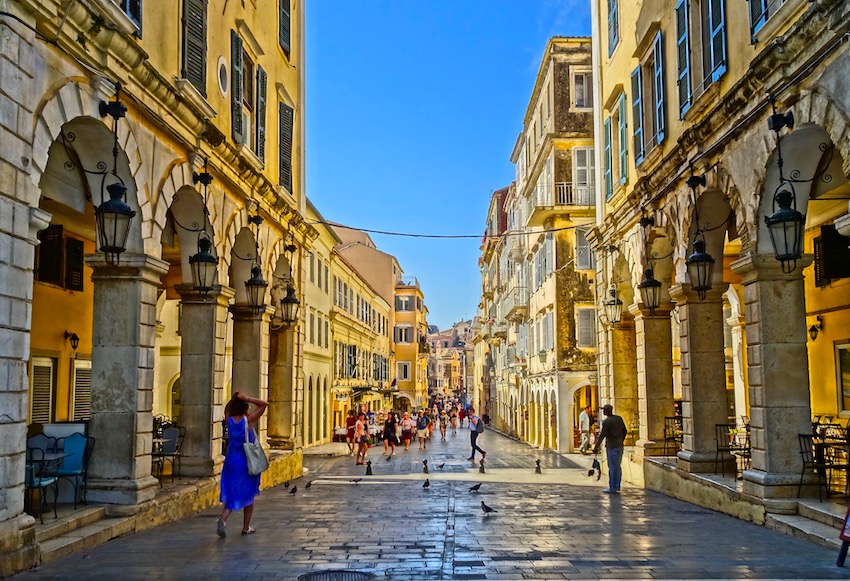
[{"x": 584, "y": 427}]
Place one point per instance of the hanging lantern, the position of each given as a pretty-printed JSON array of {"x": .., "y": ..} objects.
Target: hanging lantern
[
  {"x": 785, "y": 226},
  {"x": 700, "y": 267},
  {"x": 256, "y": 288},
  {"x": 204, "y": 266},
  {"x": 289, "y": 306},
  {"x": 613, "y": 306},
  {"x": 650, "y": 290},
  {"x": 113, "y": 222}
]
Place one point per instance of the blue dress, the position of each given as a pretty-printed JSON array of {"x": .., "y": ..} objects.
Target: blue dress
[{"x": 238, "y": 488}]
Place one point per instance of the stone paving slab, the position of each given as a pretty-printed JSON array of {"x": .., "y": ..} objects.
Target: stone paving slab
[{"x": 556, "y": 525}]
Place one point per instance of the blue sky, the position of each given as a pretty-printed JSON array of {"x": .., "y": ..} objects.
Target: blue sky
[{"x": 413, "y": 108}]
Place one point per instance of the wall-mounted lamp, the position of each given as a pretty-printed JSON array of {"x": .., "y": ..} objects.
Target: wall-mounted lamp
[
  {"x": 113, "y": 216},
  {"x": 785, "y": 224},
  {"x": 700, "y": 264},
  {"x": 649, "y": 287},
  {"x": 255, "y": 286},
  {"x": 613, "y": 306},
  {"x": 289, "y": 304},
  {"x": 204, "y": 264},
  {"x": 816, "y": 328},
  {"x": 74, "y": 339}
]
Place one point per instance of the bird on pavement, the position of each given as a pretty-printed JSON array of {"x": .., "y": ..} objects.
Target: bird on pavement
[
  {"x": 355, "y": 480},
  {"x": 286, "y": 484},
  {"x": 426, "y": 484},
  {"x": 487, "y": 509},
  {"x": 389, "y": 458},
  {"x": 441, "y": 466},
  {"x": 475, "y": 488},
  {"x": 309, "y": 484},
  {"x": 294, "y": 490}
]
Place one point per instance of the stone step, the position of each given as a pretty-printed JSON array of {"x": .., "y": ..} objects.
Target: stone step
[
  {"x": 69, "y": 522},
  {"x": 804, "y": 528},
  {"x": 86, "y": 537},
  {"x": 826, "y": 512}
]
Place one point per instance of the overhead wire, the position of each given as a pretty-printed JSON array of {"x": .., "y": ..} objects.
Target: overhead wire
[{"x": 442, "y": 236}]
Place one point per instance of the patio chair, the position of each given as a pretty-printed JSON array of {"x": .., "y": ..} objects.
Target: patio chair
[
  {"x": 730, "y": 439},
  {"x": 46, "y": 444},
  {"x": 814, "y": 458},
  {"x": 36, "y": 480},
  {"x": 673, "y": 434},
  {"x": 169, "y": 451},
  {"x": 74, "y": 467}
]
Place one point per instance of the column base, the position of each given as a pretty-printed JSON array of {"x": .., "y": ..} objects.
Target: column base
[
  {"x": 649, "y": 448},
  {"x": 201, "y": 466},
  {"x": 777, "y": 487},
  {"x": 281, "y": 443},
  {"x": 707, "y": 462},
  {"x": 114, "y": 491}
]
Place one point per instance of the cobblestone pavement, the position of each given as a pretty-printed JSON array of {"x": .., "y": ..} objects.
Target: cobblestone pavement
[{"x": 557, "y": 525}]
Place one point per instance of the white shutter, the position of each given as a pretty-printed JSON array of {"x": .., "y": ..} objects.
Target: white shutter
[
  {"x": 583, "y": 176},
  {"x": 82, "y": 389},
  {"x": 550, "y": 321},
  {"x": 586, "y": 328},
  {"x": 41, "y": 390}
]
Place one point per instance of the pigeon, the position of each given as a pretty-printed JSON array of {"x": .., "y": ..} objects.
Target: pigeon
[
  {"x": 389, "y": 458},
  {"x": 475, "y": 488},
  {"x": 286, "y": 484},
  {"x": 487, "y": 509},
  {"x": 309, "y": 484},
  {"x": 426, "y": 484},
  {"x": 441, "y": 466},
  {"x": 356, "y": 480},
  {"x": 294, "y": 490}
]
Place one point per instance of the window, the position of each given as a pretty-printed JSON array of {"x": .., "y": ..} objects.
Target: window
[
  {"x": 195, "y": 44},
  {"x": 319, "y": 330},
  {"x": 286, "y": 118},
  {"x": 584, "y": 176},
  {"x": 319, "y": 273},
  {"x": 249, "y": 84},
  {"x": 700, "y": 47},
  {"x": 42, "y": 385},
  {"x": 285, "y": 26},
  {"x": 327, "y": 334},
  {"x": 842, "y": 367},
  {"x": 584, "y": 253},
  {"x": 133, "y": 10},
  {"x": 345, "y": 296},
  {"x": 404, "y": 303},
  {"x": 586, "y": 328},
  {"x": 647, "y": 82},
  {"x": 761, "y": 11},
  {"x": 81, "y": 388},
  {"x": 403, "y": 334},
  {"x": 312, "y": 329},
  {"x": 327, "y": 271},
  {"x": 582, "y": 90},
  {"x": 609, "y": 161},
  {"x": 621, "y": 140},
  {"x": 613, "y": 25},
  {"x": 311, "y": 261},
  {"x": 59, "y": 260},
  {"x": 402, "y": 370}
]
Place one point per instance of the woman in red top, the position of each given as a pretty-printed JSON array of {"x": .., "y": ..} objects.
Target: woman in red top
[
  {"x": 460, "y": 415},
  {"x": 349, "y": 431}
]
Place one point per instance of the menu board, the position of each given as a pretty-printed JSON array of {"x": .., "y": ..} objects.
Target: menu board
[{"x": 845, "y": 528}]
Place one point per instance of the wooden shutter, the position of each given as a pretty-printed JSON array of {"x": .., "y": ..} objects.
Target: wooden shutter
[
  {"x": 820, "y": 275},
  {"x": 583, "y": 258},
  {"x": 758, "y": 14},
  {"x": 285, "y": 27},
  {"x": 133, "y": 9},
  {"x": 50, "y": 255},
  {"x": 637, "y": 114},
  {"x": 236, "y": 84},
  {"x": 41, "y": 390},
  {"x": 836, "y": 254},
  {"x": 286, "y": 115},
  {"x": 586, "y": 332},
  {"x": 613, "y": 26},
  {"x": 683, "y": 56},
  {"x": 195, "y": 44},
  {"x": 658, "y": 78},
  {"x": 609, "y": 162},
  {"x": 82, "y": 390},
  {"x": 74, "y": 261},
  {"x": 717, "y": 28},
  {"x": 624, "y": 170},
  {"x": 262, "y": 87}
]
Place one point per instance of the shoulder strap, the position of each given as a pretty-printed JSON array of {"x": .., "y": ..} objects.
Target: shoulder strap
[{"x": 245, "y": 419}]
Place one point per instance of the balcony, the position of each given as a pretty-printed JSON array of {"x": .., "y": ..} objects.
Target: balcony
[
  {"x": 545, "y": 203},
  {"x": 515, "y": 304},
  {"x": 407, "y": 282},
  {"x": 500, "y": 330}
]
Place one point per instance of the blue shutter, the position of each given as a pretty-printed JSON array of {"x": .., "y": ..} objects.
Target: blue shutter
[
  {"x": 683, "y": 56},
  {"x": 717, "y": 50},
  {"x": 758, "y": 15},
  {"x": 637, "y": 114},
  {"x": 613, "y": 26},
  {"x": 624, "y": 171},
  {"x": 658, "y": 74},
  {"x": 609, "y": 180}
]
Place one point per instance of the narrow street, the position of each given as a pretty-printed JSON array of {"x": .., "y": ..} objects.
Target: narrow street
[{"x": 555, "y": 525}]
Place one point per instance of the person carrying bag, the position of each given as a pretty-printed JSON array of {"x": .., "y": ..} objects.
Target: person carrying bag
[{"x": 256, "y": 456}]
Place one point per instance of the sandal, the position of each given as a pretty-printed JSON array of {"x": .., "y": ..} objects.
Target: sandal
[{"x": 249, "y": 531}]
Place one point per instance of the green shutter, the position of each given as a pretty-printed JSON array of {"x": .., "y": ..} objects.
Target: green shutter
[
  {"x": 195, "y": 44},
  {"x": 236, "y": 87},
  {"x": 50, "y": 255},
  {"x": 262, "y": 88},
  {"x": 286, "y": 123},
  {"x": 74, "y": 260},
  {"x": 285, "y": 27}
]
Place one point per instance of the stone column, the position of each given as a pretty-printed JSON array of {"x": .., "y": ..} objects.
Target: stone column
[
  {"x": 622, "y": 357},
  {"x": 203, "y": 321},
  {"x": 778, "y": 374},
  {"x": 739, "y": 363},
  {"x": 123, "y": 338},
  {"x": 251, "y": 355},
  {"x": 282, "y": 393},
  {"x": 654, "y": 348},
  {"x": 703, "y": 376}
]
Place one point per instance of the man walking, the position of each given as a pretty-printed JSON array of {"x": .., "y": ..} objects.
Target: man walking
[
  {"x": 614, "y": 433},
  {"x": 584, "y": 427},
  {"x": 476, "y": 427}
]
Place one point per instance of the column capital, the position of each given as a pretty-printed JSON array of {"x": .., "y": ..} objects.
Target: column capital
[
  {"x": 752, "y": 267},
  {"x": 683, "y": 294},
  {"x": 219, "y": 293},
  {"x": 129, "y": 266},
  {"x": 640, "y": 312}
]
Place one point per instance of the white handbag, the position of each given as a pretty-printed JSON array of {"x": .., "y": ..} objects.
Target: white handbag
[{"x": 257, "y": 461}]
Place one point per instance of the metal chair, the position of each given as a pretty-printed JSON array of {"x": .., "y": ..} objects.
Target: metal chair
[
  {"x": 730, "y": 439},
  {"x": 169, "y": 451},
  {"x": 74, "y": 467},
  {"x": 673, "y": 434},
  {"x": 46, "y": 444},
  {"x": 814, "y": 458},
  {"x": 35, "y": 479}
]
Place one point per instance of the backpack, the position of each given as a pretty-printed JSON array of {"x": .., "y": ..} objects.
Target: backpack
[{"x": 479, "y": 427}]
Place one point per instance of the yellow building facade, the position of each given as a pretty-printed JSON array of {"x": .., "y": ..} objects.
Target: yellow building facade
[{"x": 410, "y": 343}]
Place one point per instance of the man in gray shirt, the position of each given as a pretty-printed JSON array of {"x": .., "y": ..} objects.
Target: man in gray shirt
[{"x": 614, "y": 433}]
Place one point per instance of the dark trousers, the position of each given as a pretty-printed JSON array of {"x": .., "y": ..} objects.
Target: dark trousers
[{"x": 473, "y": 438}]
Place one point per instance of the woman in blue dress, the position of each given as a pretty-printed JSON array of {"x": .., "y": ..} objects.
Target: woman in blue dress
[{"x": 238, "y": 487}]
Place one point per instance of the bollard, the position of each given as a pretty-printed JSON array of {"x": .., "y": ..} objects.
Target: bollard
[{"x": 368, "y": 468}]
